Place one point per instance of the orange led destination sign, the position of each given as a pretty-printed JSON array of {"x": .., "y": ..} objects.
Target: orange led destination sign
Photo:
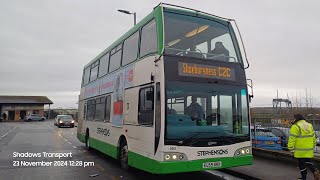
[{"x": 206, "y": 71}]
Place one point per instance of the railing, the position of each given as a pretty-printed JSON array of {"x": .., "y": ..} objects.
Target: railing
[{"x": 264, "y": 131}]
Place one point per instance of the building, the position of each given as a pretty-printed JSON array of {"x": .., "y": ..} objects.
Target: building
[{"x": 17, "y": 107}]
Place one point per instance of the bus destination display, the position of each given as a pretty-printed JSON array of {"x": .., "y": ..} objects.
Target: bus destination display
[{"x": 206, "y": 71}]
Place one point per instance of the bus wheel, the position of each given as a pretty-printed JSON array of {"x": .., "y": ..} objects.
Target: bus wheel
[{"x": 124, "y": 155}]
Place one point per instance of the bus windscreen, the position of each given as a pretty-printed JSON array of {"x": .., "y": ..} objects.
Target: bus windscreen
[{"x": 197, "y": 37}]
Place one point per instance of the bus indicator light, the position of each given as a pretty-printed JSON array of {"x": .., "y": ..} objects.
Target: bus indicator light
[{"x": 181, "y": 157}]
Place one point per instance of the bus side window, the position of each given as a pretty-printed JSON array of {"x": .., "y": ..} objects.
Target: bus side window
[
  {"x": 84, "y": 111},
  {"x": 91, "y": 107},
  {"x": 146, "y": 106},
  {"x": 100, "y": 109},
  {"x": 130, "y": 49},
  {"x": 149, "y": 39},
  {"x": 94, "y": 71},
  {"x": 86, "y": 76}
]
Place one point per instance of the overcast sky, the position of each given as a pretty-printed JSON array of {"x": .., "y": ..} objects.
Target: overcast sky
[{"x": 45, "y": 44}]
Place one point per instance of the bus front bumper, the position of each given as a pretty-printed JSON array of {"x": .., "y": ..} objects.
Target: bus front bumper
[{"x": 157, "y": 167}]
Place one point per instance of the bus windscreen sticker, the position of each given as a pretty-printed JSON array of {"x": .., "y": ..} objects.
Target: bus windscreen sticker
[{"x": 206, "y": 71}]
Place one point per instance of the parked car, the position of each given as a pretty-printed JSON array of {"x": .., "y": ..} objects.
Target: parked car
[
  {"x": 283, "y": 133},
  {"x": 265, "y": 139},
  {"x": 34, "y": 117},
  {"x": 65, "y": 120}
]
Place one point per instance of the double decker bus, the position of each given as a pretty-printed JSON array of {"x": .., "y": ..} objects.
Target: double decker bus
[{"x": 170, "y": 95}]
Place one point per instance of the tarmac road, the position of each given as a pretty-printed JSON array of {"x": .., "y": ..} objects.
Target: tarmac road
[{"x": 34, "y": 138}]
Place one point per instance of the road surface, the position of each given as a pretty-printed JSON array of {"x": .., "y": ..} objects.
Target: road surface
[{"x": 43, "y": 143}]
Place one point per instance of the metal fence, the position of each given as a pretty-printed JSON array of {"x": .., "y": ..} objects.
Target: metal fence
[{"x": 273, "y": 133}]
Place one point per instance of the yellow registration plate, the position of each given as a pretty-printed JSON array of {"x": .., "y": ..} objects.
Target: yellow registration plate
[{"x": 269, "y": 142}]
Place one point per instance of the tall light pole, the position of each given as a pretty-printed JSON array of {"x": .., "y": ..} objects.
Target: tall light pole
[{"x": 127, "y": 12}]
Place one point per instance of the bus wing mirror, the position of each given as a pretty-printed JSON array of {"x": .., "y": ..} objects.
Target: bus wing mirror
[{"x": 250, "y": 87}]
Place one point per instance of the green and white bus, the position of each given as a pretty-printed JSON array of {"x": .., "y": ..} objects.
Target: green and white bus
[{"x": 170, "y": 95}]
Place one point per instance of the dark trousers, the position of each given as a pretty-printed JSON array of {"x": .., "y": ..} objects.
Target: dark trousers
[{"x": 305, "y": 163}]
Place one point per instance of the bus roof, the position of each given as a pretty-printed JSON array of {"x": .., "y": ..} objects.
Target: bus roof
[
  {"x": 157, "y": 11},
  {"x": 191, "y": 11}
]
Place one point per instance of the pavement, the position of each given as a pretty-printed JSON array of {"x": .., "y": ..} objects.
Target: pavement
[
  {"x": 273, "y": 165},
  {"x": 34, "y": 138}
]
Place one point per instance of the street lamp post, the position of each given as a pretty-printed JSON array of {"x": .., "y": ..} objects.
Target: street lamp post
[{"x": 127, "y": 12}]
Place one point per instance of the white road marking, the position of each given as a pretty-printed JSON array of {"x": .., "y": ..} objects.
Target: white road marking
[
  {"x": 8, "y": 132},
  {"x": 62, "y": 136},
  {"x": 4, "y": 135}
]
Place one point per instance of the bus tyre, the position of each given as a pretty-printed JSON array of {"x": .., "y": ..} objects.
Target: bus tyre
[{"x": 124, "y": 155}]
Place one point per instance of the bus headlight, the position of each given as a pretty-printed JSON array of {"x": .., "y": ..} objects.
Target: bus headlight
[
  {"x": 175, "y": 157},
  {"x": 243, "y": 151},
  {"x": 167, "y": 157}
]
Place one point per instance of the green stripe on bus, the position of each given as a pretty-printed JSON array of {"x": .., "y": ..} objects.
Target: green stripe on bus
[
  {"x": 157, "y": 167},
  {"x": 81, "y": 137},
  {"x": 159, "y": 18},
  {"x": 103, "y": 147}
]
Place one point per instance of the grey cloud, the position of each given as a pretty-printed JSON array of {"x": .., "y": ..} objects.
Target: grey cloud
[{"x": 49, "y": 42}]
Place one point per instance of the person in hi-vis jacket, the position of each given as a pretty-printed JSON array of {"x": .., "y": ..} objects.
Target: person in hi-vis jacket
[{"x": 302, "y": 141}]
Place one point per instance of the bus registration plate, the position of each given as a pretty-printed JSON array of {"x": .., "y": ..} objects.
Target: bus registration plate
[{"x": 211, "y": 164}]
